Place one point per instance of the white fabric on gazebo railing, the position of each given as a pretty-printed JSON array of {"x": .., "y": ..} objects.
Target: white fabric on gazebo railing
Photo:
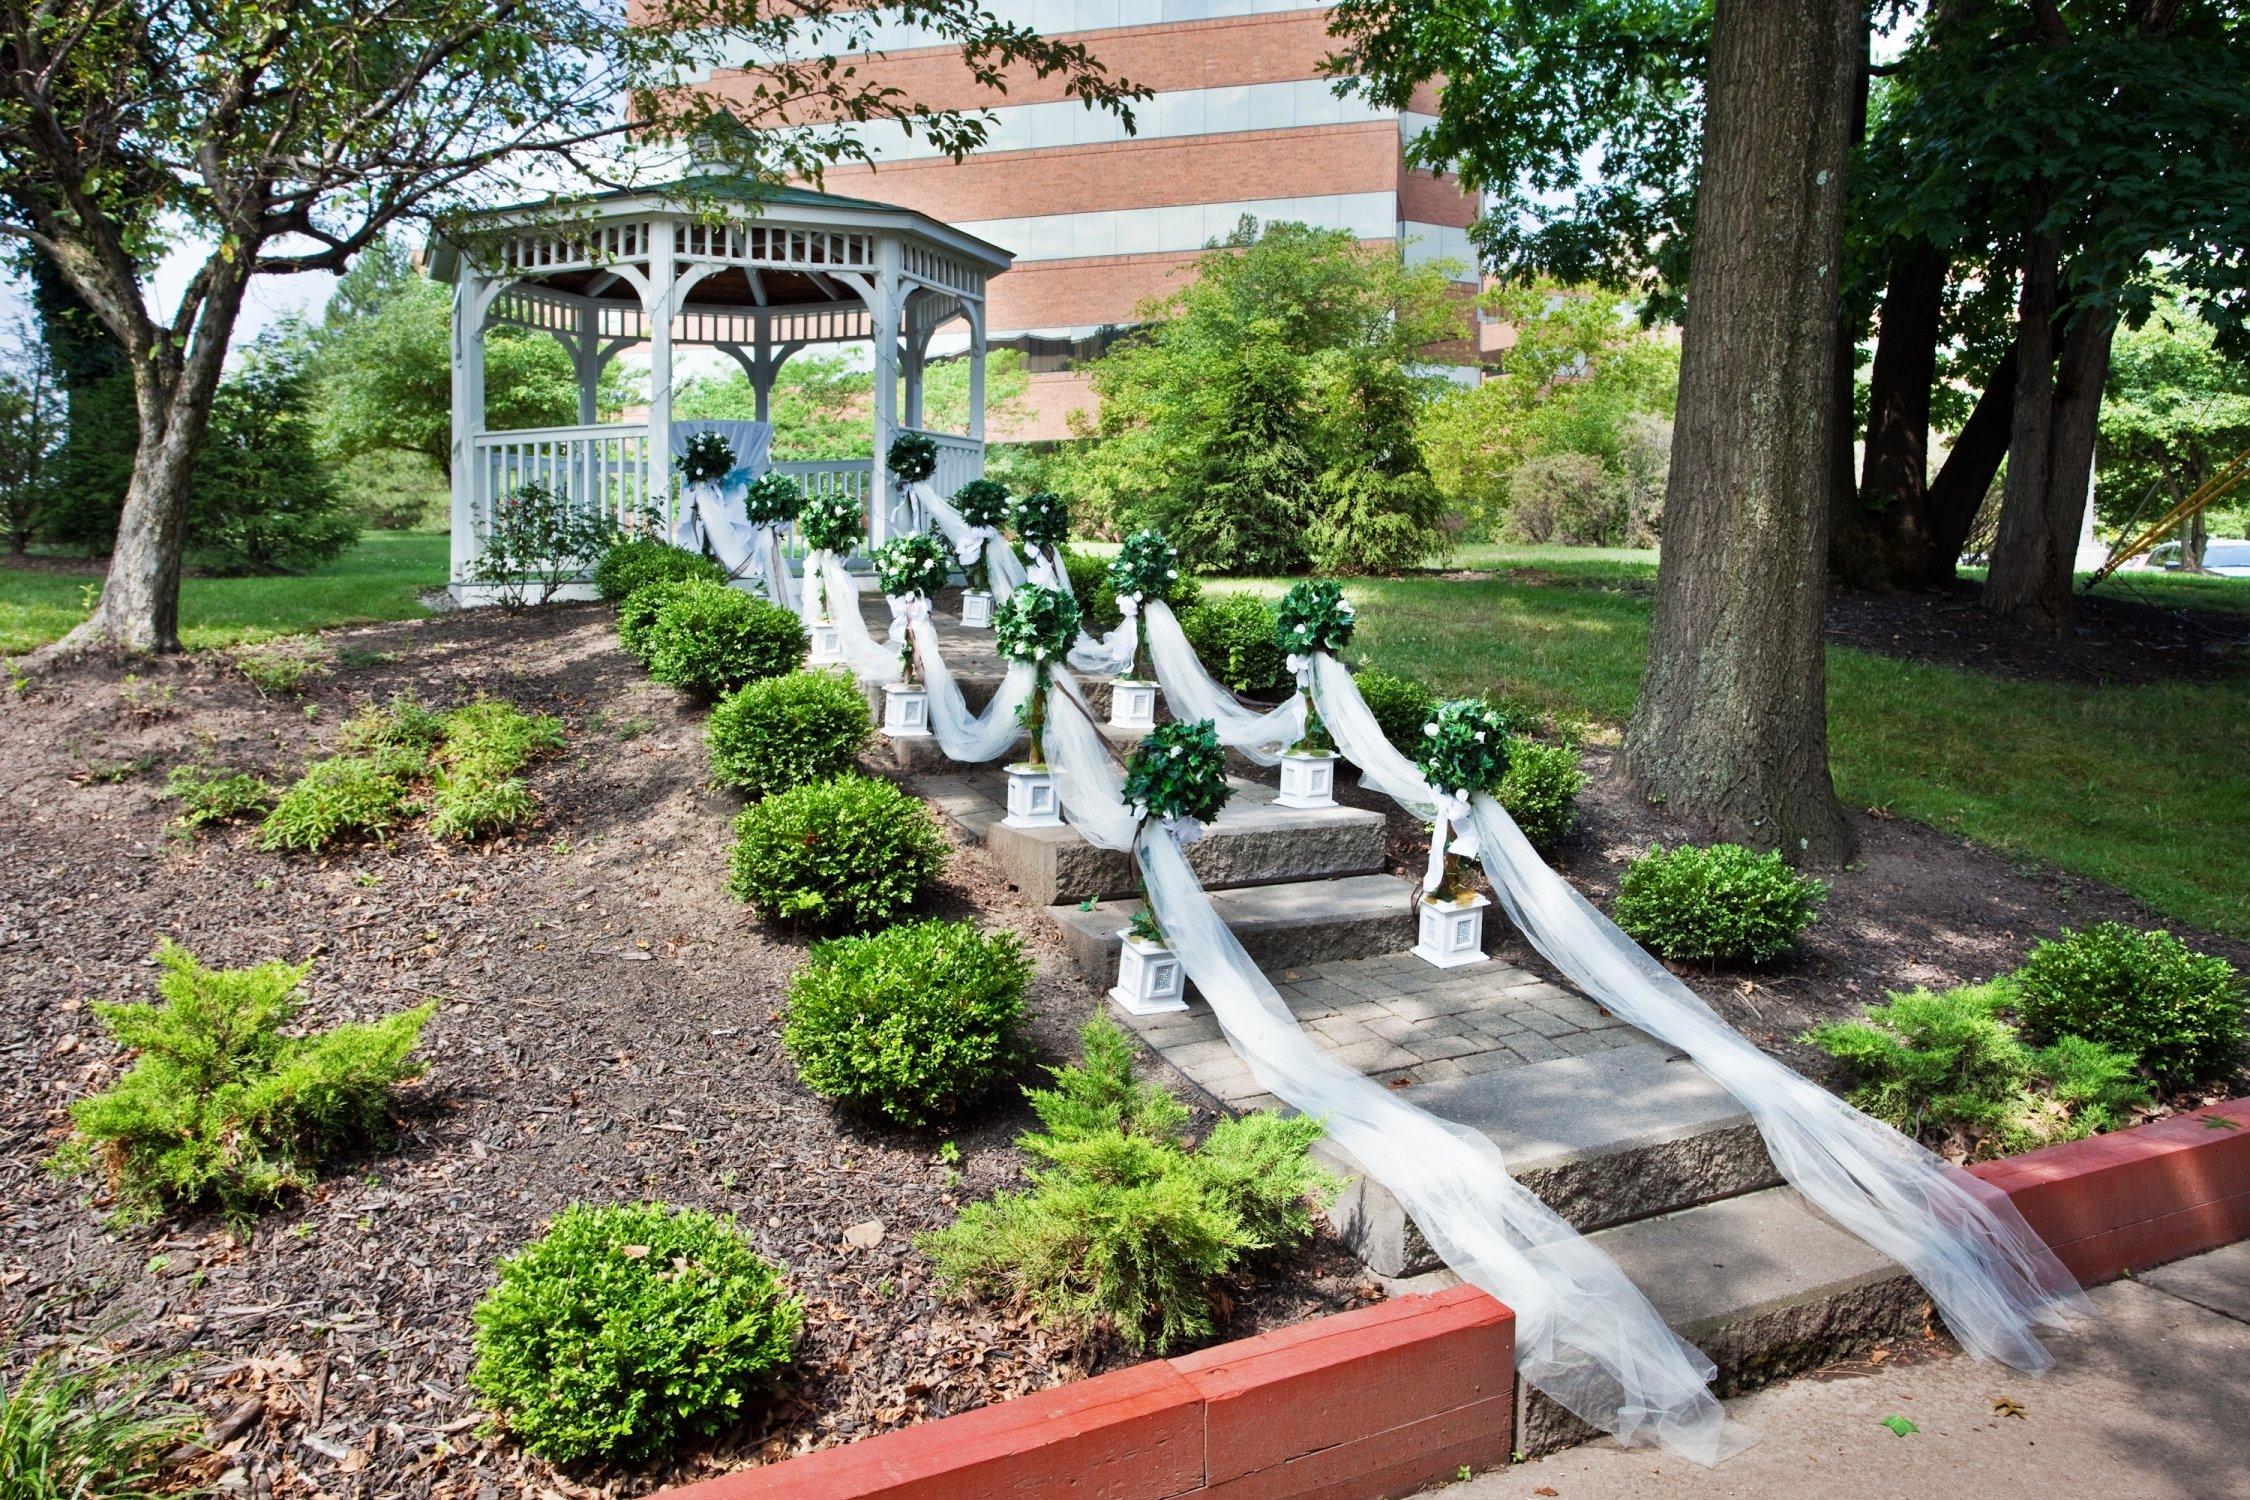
[
  {"x": 1991, "y": 1276},
  {"x": 1585, "y": 1334},
  {"x": 715, "y": 515}
]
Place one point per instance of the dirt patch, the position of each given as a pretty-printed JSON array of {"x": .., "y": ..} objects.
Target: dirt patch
[
  {"x": 2108, "y": 640},
  {"x": 609, "y": 1032}
]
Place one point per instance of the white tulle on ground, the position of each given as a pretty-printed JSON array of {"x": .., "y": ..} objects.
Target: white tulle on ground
[
  {"x": 1585, "y": 1334},
  {"x": 1969, "y": 1247},
  {"x": 1193, "y": 693}
]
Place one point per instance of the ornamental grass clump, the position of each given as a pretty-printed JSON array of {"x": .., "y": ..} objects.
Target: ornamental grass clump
[
  {"x": 787, "y": 731},
  {"x": 209, "y": 795},
  {"x": 221, "y": 1105},
  {"x": 1718, "y": 904},
  {"x": 86, "y": 1425},
  {"x": 636, "y": 562},
  {"x": 848, "y": 852},
  {"x": 709, "y": 638},
  {"x": 1947, "y": 1068},
  {"x": 475, "y": 790},
  {"x": 1127, "y": 1228},
  {"x": 344, "y": 798},
  {"x": 461, "y": 765},
  {"x": 913, "y": 1023},
  {"x": 625, "y": 1329},
  {"x": 2146, "y": 992}
]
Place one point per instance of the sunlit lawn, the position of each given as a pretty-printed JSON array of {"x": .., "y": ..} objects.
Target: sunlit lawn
[
  {"x": 2146, "y": 788},
  {"x": 377, "y": 580}
]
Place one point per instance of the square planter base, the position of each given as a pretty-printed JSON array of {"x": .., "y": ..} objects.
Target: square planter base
[
  {"x": 1451, "y": 932},
  {"x": 827, "y": 645},
  {"x": 906, "y": 711},
  {"x": 1307, "y": 780},
  {"x": 1132, "y": 704},
  {"x": 1032, "y": 799},
  {"x": 976, "y": 610},
  {"x": 1149, "y": 982}
]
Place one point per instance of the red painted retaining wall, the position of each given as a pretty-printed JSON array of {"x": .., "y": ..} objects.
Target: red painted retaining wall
[
  {"x": 2115, "y": 1203},
  {"x": 1387, "y": 1399},
  {"x": 1378, "y": 1401}
]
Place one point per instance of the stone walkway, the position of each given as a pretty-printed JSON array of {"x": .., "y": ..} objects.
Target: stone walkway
[{"x": 1399, "y": 1019}]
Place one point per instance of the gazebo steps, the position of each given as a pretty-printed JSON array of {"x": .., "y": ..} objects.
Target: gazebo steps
[
  {"x": 1253, "y": 842},
  {"x": 1294, "y": 922}
]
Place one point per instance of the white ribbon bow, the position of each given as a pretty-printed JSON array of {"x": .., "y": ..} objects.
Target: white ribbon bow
[
  {"x": 1183, "y": 831},
  {"x": 1452, "y": 814}
]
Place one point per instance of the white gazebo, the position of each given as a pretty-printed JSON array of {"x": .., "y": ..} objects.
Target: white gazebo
[{"x": 756, "y": 273}]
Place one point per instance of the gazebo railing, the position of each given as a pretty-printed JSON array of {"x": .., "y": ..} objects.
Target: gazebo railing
[
  {"x": 959, "y": 460},
  {"x": 850, "y": 476},
  {"x": 603, "y": 469}
]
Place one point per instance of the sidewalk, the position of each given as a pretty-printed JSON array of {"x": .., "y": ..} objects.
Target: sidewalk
[{"x": 2145, "y": 1403}]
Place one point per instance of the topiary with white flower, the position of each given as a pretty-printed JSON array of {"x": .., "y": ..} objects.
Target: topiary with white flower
[
  {"x": 1036, "y": 624},
  {"x": 912, "y": 459},
  {"x": 910, "y": 569},
  {"x": 831, "y": 522},
  {"x": 1041, "y": 521},
  {"x": 1313, "y": 616},
  {"x": 773, "y": 500},
  {"x": 983, "y": 503},
  {"x": 1177, "y": 775},
  {"x": 1464, "y": 752},
  {"x": 705, "y": 458},
  {"x": 1146, "y": 567}
]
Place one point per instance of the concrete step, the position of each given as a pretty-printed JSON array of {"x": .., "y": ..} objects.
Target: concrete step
[
  {"x": 1603, "y": 1138},
  {"x": 1254, "y": 842},
  {"x": 1299, "y": 922},
  {"x": 1765, "y": 1284}
]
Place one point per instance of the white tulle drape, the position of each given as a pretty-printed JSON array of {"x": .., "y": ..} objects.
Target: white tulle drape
[
  {"x": 971, "y": 738},
  {"x": 1584, "y": 1333},
  {"x": 715, "y": 515},
  {"x": 971, "y": 544},
  {"x": 1966, "y": 1243},
  {"x": 870, "y": 660},
  {"x": 1193, "y": 693},
  {"x": 1108, "y": 655}
]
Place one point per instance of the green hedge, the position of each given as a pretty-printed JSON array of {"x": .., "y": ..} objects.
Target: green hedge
[
  {"x": 710, "y": 639},
  {"x": 848, "y": 852},
  {"x": 786, "y": 731},
  {"x": 1720, "y": 904}
]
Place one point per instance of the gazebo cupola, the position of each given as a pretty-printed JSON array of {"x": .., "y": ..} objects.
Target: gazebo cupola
[{"x": 757, "y": 273}]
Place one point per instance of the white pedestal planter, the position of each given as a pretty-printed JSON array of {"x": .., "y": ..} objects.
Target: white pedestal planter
[
  {"x": 906, "y": 711},
  {"x": 1032, "y": 802},
  {"x": 827, "y": 645},
  {"x": 1452, "y": 932},
  {"x": 1308, "y": 779},
  {"x": 1149, "y": 982},
  {"x": 1132, "y": 704},
  {"x": 976, "y": 610}
]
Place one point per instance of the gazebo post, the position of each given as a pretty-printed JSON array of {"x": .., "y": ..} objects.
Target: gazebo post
[
  {"x": 975, "y": 310},
  {"x": 468, "y": 416},
  {"x": 586, "y": 358},
  {"x": 883, "y": 310},
  {"x": 662, "y": 273},
  {"x": 763, "y": 369},
  {"x": 916, "y": 349}
]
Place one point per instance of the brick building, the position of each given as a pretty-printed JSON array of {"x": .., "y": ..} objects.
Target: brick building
[{"x": 1242, "y": 122}]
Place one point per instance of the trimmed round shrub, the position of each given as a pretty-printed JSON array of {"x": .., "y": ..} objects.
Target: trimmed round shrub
[
  {"x": 625, "y": 1328},
  {"x": 1233, "y": 634},
  {"x": 2141, "y": 992},
  {"x": 710, "y": 639},
  {"x": 642, "y": 560},
  {"x": 847, "y": 852},
  {"x": 1540, "y": 790},
  {"x": 1718, "y": 904},
  {"x": 786, "y": 731},
  {"x": 1401, "y": 705},
  {"x": 636, "y": 615},
  {"x": 910, "y": 1023}
]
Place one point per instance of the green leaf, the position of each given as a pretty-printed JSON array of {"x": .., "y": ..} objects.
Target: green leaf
[{"x": 1900, "y": 1425}]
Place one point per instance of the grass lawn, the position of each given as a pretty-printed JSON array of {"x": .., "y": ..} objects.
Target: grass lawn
[
  {"x": 377, "y": 580},
  {"x": 2143, "y": 787}
]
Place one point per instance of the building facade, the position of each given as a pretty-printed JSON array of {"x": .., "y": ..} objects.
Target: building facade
[{"x": 1242, "y": 123}]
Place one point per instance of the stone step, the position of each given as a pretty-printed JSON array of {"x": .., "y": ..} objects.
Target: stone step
[
  {"x": 1253, "y": 842},
  {"x": 1765, "y": 1284},
  {"x": 1603, "y": 1138},
  {"x": 1298, "y": 922}
]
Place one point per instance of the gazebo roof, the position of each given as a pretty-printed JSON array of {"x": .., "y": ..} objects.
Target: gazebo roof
[{"x": 765, "y": 206}]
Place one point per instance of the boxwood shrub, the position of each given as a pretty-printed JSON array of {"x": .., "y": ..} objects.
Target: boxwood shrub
[
  {"x": 912, "y": 1022},
  {"x": 1541, "y": 789},
  {"x": 710, "y": 639},
  {"x": 847, "y": 852},
  {"x": 1401, "y": 705},
  {"x": 2144, "y": 992},
  {"x": 625, "y": 1328},
  {"x": 786, "y": 731},
  {"x": 636, "y": 615},
  {"x": 1718, "y": 904},
  {"x": 1233, "y": 635},
  {"x": 642, "y": 560}
]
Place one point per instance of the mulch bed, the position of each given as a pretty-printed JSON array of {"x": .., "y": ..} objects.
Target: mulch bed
[{"x": 609, "y": 1032}]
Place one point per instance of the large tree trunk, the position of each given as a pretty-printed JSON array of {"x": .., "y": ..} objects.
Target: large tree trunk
[
  {"x": 1958, "y": 492},
  {"x": 1732, "y": 724},
  {"x": 1880, "y": 534},
  {"x": 2051, "y": 448}
]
